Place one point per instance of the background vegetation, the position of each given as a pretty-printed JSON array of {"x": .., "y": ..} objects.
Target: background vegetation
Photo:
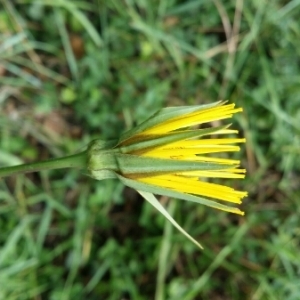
[{"x": 72, "y": 71}]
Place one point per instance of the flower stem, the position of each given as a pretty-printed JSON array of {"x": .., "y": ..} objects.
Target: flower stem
[{"x": 73, "y": 161}]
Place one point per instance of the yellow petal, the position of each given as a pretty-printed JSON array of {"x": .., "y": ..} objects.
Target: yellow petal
[
  {"x": 200, "y": 143},
  {"x": 210, "y": 159},
  {"x": 175, "y": 152},
  {"x": 227, "y": 173},
  {"x": 194, "y": 186},
  {"x": 200, "y": 117}
]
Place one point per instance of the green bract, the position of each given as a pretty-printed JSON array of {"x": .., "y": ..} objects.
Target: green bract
[{"x": 164, "y": 115}]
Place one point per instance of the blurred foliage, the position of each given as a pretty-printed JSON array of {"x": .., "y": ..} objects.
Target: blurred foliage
[{"x": 71, "y": 71}]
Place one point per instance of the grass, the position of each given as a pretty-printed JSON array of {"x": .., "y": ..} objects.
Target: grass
[{"x": 72, "y": 71}]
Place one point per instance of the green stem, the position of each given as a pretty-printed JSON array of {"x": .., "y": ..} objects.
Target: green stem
[{"x": 73, "y": 161}]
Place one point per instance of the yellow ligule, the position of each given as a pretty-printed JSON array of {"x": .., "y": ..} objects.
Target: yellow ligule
[
  {"x": 175, "y": 152},
  {"x": 193, "y": 186},
  {"x": 204, "y": 116},
  {"x": 215, "y": 174},
  {"x": 211, "y": 159}
]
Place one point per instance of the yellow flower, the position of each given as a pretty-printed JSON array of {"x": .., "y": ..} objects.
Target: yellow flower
[
  {"x": 172, "y": 154},
  {"x": 167, "y": 155}
]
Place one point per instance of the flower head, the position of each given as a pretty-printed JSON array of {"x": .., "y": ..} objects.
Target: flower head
[{"x": 170, "y": 155}]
